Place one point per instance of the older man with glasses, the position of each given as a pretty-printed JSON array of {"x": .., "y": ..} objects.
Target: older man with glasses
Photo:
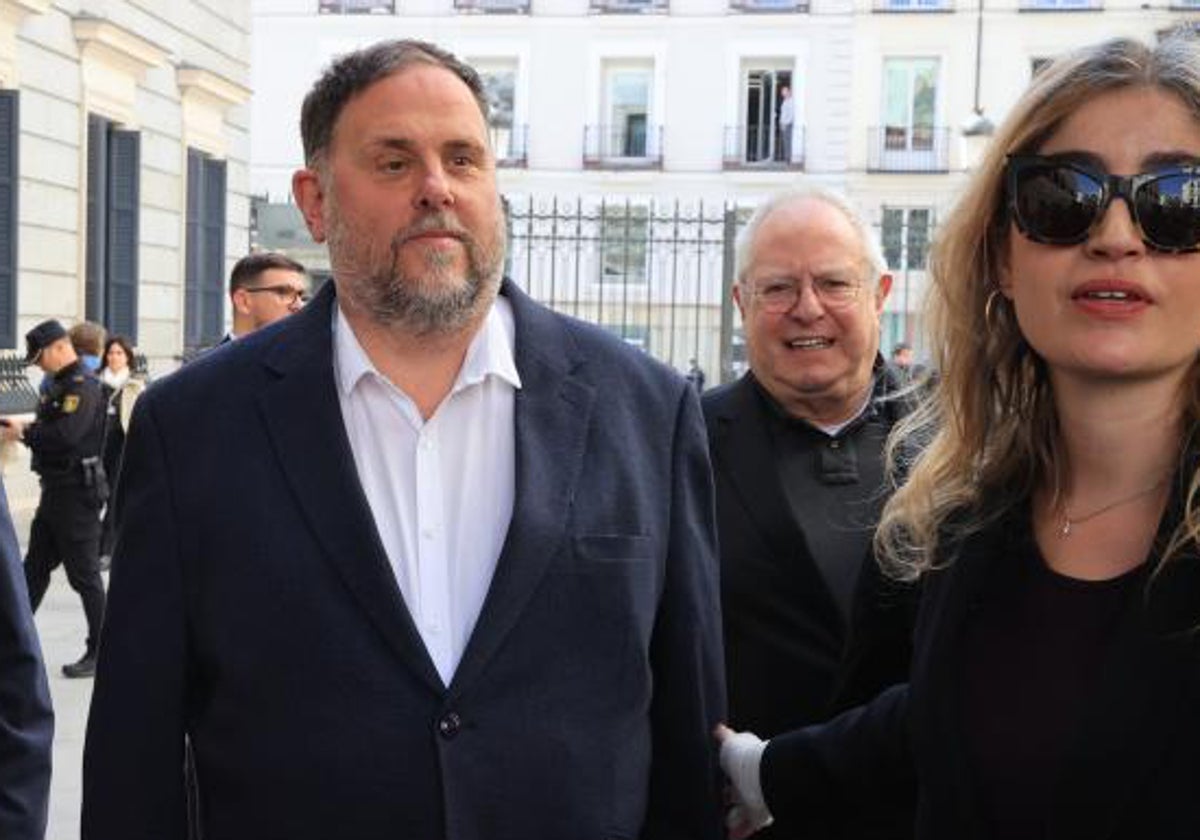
[
  {"x": 797, "y": 448},
  {"x": 264, "y": 288}
]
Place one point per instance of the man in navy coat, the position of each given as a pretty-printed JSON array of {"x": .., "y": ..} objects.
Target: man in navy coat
[
  {"x": 26, "y": 721},
  {"x": 424, "y": 560}
]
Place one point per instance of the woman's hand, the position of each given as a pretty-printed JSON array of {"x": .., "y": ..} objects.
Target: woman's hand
[{"x": 741, "y": 756}]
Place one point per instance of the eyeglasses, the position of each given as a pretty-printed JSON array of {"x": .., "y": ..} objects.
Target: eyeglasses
[
  {"x": 1058, "y": 202},
  {"x": 287, "y": 295},
  {"x": 779, "y": 295}
]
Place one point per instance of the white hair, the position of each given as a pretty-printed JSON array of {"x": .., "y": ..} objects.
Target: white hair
[{"x": 871, "y": 249}]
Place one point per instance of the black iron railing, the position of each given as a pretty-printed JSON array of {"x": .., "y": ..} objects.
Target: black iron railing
[
  {"x": 763, "y": 147},
  {"x": 634, "y": 144},
  {"x": 908, "y": 149}
]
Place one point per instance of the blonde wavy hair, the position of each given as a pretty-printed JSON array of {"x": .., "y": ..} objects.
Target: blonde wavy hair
[{"x": 988, "y": 433}]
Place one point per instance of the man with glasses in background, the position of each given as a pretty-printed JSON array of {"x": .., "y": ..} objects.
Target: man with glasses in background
[
  {"x": 797, "y": 443},
  {"x": 264, "y": 288}
]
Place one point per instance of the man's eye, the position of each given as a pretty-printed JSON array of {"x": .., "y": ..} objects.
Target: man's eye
[
  {"x": 462, "y": 161},
  {"x": 394, "y": 165},
  {"x": 776, "y": 288}
]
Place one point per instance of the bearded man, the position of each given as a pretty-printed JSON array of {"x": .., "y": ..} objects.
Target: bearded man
[{"x": 440, "y": 563}]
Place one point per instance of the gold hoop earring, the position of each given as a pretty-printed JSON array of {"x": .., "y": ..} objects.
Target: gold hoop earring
[{"x": 989, "y": 310}]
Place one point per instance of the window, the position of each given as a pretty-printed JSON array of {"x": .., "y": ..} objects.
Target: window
[
  {"x": 905, "y": 236},
  {"x": 767, "y": 133},
  {"x": 113, "y": 164},
  {"x": 204, "y": 272},
  {"x": 627, "y": 110},
  {"x": 499, "y": 86},
  {"x": 624, "y": 242},
  {"x": 909, "y": 103},
  {"x": 9, "y": 137}
]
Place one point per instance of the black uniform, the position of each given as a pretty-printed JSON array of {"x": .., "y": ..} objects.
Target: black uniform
[{"x": 66, "y": 528}]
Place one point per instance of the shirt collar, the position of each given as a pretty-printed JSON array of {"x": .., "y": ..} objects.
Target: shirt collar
[{"x": 491, "y": 352}]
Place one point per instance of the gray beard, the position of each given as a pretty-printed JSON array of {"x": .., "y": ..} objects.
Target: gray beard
[{"x": 431, "y": 304}]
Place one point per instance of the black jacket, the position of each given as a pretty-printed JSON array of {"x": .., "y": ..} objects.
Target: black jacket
[
  {"x": 1133, "y": 771},
  {"x": 69, "y": 426}
]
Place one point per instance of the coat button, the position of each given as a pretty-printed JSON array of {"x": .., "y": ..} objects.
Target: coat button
[{"x": 448, "y": 725}]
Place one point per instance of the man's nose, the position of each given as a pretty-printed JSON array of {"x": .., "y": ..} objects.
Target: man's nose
[{"x": 434, "y": 192}]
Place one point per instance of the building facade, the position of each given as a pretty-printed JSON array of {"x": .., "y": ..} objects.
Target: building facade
[
  {"x": 124, "y": 150},
  {"x": 635, "y": 135}
]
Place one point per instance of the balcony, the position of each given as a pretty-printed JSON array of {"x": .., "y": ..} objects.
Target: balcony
[
  {"x": 631, "y": 146},
  {"x": 776, "y": 6},
  {"x": 758, "y": 148},
  {"x": 912, "y": 6},
  {"x": 660, "y": 7},
  {"x": 357, "y": 7},
  {"x": 908, "y": 149},
  {"x": 511, "y": 145},
  {"x": 493, "y": 7},
  {"x": 1061, "y": 5}
]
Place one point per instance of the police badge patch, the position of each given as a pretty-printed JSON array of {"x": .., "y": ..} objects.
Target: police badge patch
[{"x": 70, "y": 403}]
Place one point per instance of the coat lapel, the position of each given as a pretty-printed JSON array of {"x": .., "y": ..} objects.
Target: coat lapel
[
  {"x": 742, "y": 452},
  {"x": 552, "y": 414},
  {"x": 304, "y": 422}
]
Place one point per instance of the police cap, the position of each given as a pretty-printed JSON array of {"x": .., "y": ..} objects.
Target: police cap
[{"x": 41, "y": 337}]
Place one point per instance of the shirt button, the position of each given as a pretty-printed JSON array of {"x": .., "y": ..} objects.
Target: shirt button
[
  {"x": 448, "y": 725},
  {"x": 427, "y": 533},
  {"x": 835, "y": 444}
]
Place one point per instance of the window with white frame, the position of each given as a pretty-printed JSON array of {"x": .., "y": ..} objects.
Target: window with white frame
[
  {"x": 909, "y": 103},
  {"x": 905, "y": 234},
  {"x": 769, "y": 121},
  {"x": 499, "y": 77},
  {"x": 626, "y": 128}
]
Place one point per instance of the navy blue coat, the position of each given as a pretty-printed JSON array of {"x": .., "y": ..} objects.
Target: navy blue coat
[
  {"x": 26, "y": 721},
  {"x": 253, "y": 609}
]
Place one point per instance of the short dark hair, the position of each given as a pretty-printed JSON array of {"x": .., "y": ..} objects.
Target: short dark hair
[
  {"x": 122, "y": 342},
  {"x": 247, "y": 269},
  {"x": 354, "y": 72}
]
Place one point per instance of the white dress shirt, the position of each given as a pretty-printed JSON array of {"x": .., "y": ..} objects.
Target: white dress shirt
[{"x": 440, "y": 490}]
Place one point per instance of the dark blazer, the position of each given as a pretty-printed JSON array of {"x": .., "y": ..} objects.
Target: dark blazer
[
  {"x": 253, "y": 609},
  {"x": 1133, "y": 771},
  {"x": 791, "y": 659},
  {"x": 26, "y": 721}
]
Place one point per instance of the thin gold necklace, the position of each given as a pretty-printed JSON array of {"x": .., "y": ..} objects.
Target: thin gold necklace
[{"x": 1068, "y": 521}]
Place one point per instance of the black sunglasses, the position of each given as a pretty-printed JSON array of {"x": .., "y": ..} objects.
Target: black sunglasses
[{"x": 1059, "y": 201}]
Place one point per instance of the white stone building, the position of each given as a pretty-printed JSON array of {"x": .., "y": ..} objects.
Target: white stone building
[
  {"x": 654, "y": 105},
  {"x": 124, "y": 148}
]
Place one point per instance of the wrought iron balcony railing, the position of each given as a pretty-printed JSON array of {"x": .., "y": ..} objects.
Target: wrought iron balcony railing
[
  {"x": 898, "y": 148},
  {"x": 759, "y": 147},
  {"x": 914, "y": 6},
  {"x": 633, "y": 145},
  {"x": 502, "y": 7},
  {"x": 357, "y": 7},
  {"x": 1061, "y": 5},
  {"x": 626, "y": 6},
  {"x": 768, "y": 5}
]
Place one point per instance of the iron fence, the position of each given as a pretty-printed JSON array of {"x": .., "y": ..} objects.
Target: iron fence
[
  {"x": 656, "y": 275},
  {"x": 660, "y": 274}
]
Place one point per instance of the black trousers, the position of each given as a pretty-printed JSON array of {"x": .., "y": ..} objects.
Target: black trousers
[{"x": 66, "y": 531}]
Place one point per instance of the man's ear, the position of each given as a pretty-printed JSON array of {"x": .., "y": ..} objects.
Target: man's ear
[
  {"x": 882, "y": 289},
  {"x": 240, "y": 300},
  {"x": 310, "y": 198},
  {"x": 737, "y": 299}
]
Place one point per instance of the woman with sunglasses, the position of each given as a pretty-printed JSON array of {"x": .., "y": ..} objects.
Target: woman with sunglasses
[{"x": 1054, "y": 515}]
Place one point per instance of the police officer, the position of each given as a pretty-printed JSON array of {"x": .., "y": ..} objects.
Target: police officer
[{"x": 65, "y": 441}]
